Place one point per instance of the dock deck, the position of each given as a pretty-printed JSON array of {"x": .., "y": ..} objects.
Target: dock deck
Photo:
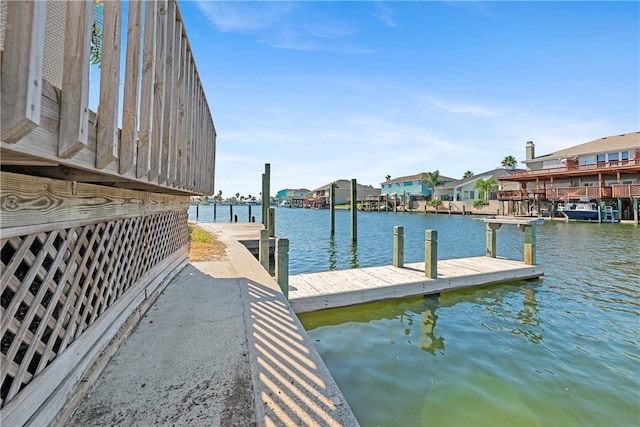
[{"x": 339, "y": 288}]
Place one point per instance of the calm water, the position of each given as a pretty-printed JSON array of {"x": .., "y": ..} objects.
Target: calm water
[{"x": 559, "y": 351}]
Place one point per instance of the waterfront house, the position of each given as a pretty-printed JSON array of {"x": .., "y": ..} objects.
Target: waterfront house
[
  {"x": 292, "y": 198},
  {"x": 465, "y": 189},
  {"x": 94, "y": 212},
  {"x": 606, "y": 170},
  {"x": 407, "y": 189},
  {"x": 319, "y": 198}
]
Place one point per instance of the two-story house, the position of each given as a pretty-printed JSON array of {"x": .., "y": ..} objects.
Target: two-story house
[
  {"x": 413, "y": 187},
  {"x": 319, "y": 197},
  {"x": 604, "y": 170}
]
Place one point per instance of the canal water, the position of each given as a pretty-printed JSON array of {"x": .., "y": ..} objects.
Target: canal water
[{"x": 559, "y": 351}]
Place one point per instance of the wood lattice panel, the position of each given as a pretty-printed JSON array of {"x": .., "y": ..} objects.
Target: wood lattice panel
[{"x": 57, "y": 283}]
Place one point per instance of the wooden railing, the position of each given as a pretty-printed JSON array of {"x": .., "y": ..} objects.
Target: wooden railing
[
  {"x": 596, "y": 167},
  {"x": 167, "y": 139},
  {"x": 518, "y": 195},
  {"x": 625, "y": 191}
]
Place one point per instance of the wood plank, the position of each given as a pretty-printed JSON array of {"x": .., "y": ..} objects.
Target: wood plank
[
  {"x": 315, "y": 291},
  {"x": 175, "y": 108},
  {"x": 167, "y": 123},
  {"x": 131, "y": 91},
  {"x": 22, "y": 62},
  {"x": 182, "y": 88},
  {"x": 147, "y": 92},
  {"x": 107, "y": 139},
  {"x": 157, "y": 124},
  {"x": 74, "y": 102}
]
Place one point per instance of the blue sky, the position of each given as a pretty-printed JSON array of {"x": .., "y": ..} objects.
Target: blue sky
[{"x": 339, "y": 90}]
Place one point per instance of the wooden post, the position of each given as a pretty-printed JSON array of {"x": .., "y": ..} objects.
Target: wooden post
[
  {"x": 354, "y": 211},
  {"x": 635, "y": 211},
  {"x": 529, "y": 245},
  {"x": 230, "y": 213},
  {"x": 263, "y": 249},
  {"x": 215, "y": 206},
  {"x": 249, "y": 214},
  {"x": 272, "y": 222},
  {"x": 265, "y": 194},
  {"x": 197, "y": 210},
  {"x": 491, "y": 239},
  {"x": 282, "y": 265},
  {"x": 332, "y": 209},
  {"x": 398, "y": 246},
  {"x": 431, "y": 254}
]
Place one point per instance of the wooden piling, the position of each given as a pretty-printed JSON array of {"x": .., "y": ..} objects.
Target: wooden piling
[
  {"x": 249, "y": 214},
  {"x": 398, "y": 246},
  {"x": 263, "y": 249},
  {"x": 266, "y": 177},
  {"x": 215, "y": 206},
  {"x": 491, "y": 239},
  {"x": 197, "y": 211},
  {"x": 354, "y": 211},
  {"x": 272, "y": 222},
  {"x": 282, "y": 265},
  {"x": 332, "y": 209},
  {"x": 431, "y": 254},
  {"x": 529, "y": 245},
  {"x": 230, "y": 213}
]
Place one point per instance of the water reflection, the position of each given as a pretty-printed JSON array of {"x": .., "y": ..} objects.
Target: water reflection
[
  {"x": 333, "y": 257},
  {"x": 353, "y": 260}
]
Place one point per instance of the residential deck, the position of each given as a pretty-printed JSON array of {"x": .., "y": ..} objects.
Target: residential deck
[{"x": 339, "y": 288}]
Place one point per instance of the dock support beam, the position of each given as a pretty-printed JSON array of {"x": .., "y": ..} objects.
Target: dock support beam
[
  {"x": 272, "y": 222},
  {"x": 354, "y": 211},
  {"x": 263, "y": 249},
  {"x": 282, "y": 265},
  {"x": 529, "y": 245},
  {"x": 431, "y": 254},
  {"x": 491, "y": 239},
  {"x": 398, "y": 246},
  {"x": 266, "y": 178},
  {"x": 635, "y": 211},
  {"x": 332, "y": 209}
]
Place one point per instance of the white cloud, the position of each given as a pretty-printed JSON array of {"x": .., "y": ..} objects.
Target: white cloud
[
  {"x": 384, "y": 14},
  {"x": 243, "y": 17}
]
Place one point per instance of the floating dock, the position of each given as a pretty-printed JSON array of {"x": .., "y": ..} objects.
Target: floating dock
[{"x": 340, "y": 288}]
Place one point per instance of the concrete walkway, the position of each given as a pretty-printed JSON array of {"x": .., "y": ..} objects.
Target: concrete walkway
[{"x": 220, "y": 346}]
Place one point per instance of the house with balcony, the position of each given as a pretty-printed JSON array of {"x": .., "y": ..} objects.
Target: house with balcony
[
  {"x": 465, "y": 189},
  {"x": 292, "y": 198},
  {"x": 319, "y": 198},
  {"x": 606, "y": 170},
  {"x": 411, "y": 188}
]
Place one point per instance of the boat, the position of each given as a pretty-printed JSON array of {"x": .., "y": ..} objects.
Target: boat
[
  {"x": 587, "y": 211},
  {"x": 580, "y": 211}
]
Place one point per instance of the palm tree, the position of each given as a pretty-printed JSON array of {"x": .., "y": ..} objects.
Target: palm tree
[
  {"x": 467, "y": 174},
  {"x": 432, "y": 180},
  {"x": 509, "y": 162},
  {"x": 388, "y": 177},
  {"x": 486, "y": 185}
]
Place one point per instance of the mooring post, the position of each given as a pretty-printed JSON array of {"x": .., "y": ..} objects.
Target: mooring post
[
  {"x": 249, "y": 214},
  {"x": 635, "y": 211},
  {"x": 197, "y": 211},
  {"x": 332, "y": 209},
  {"x": 230, "y": 213},
  {"x": 263, "y": 249},
  {"x": 272, "y": 222},
  {"x": 431, "y": 254},
  {"x": 282, "y": 265},
  {"x": 398, "y": 246},
  {"x": 529, "y": 245},
  {"x": 354, "y": 211},
  {"x": 215, "y": 206},
  {"x": 491, "y": 239}
]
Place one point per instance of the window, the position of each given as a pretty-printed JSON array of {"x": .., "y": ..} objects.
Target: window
[
  {"x": 613, "y": 157},
  {"x": 624, "y": 155},
  {"x": 408, "y": 183},
  {"x": 472, "y": 194},
  {"x": 601, "y": 158}
]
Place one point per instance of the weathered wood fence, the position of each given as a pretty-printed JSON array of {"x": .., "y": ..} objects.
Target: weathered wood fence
[{"x": 93, "y": 204}]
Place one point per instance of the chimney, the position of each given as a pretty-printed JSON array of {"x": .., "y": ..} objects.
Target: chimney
[{"x": 530, "y": 150}]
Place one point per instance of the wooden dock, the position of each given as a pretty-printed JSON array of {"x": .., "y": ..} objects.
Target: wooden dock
[{"x": 339, "y": 288}]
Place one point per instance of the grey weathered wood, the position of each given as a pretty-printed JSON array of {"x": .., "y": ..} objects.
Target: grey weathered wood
[
  {"x": 74, "y": 100},
  {"x": 354, "y": 210},
  {"x": 167, "y": 107},
  {"x": 491, "y": 239},
  {"x": 266, "y": 177},
  {"x": 317, "y": 291},
  {"x": 176, "y": 88},
  {"x": 157, "y": 124},
  {"x": 180, "y": 123},
  {"x": 147, "y": 88},
  {"x": 131, "y": 92},
  {"x": 107, "y": 140},
  {"x": 398, "y": 246},
  {"x": 22, "y": 61},
  {"x": 263, "y": 254},
  {"x": 282, "y": 265},
  {"x": 529, "y": 245},
  {"x": 431, "y": 254}
]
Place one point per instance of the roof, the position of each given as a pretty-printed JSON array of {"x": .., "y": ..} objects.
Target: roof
[
  {"x": 344, "y": 184},
  {"x": 608, "y": 143},
  {"x": 417, "y": 177},
  {"x": 495, "y": 174}
]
